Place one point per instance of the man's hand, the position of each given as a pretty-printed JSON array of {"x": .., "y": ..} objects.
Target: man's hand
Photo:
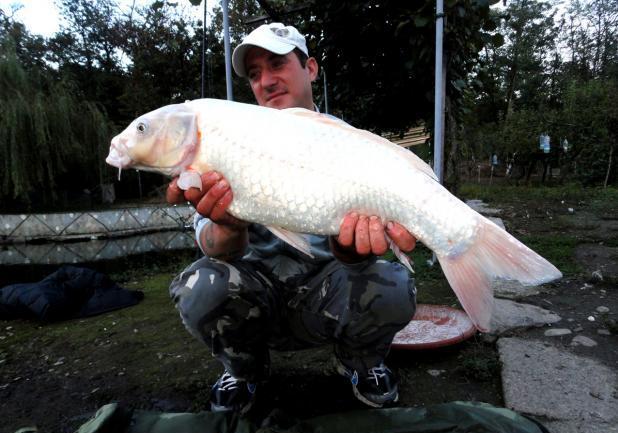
[
  {"x": 212, "y": 201},
  {"x": 362, "y": 235}
]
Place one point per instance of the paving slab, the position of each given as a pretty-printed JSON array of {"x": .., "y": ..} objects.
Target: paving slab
[
  {"x": 583, "y": 426},
  {"x": 569, "y": 390},
  {"x": 482, "y": 208},
  {"x": 557, "y": 332},
  {"x": 513, "y": 290},
  {"x": 497, "y": 221},
  {"x": 509, "y": 315},
  {"x": 582, "y": 340}
]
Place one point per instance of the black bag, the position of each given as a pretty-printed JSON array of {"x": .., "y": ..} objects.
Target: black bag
[{"x": 68, "y": 293}]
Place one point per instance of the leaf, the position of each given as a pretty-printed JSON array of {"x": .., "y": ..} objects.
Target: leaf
[
  {"x": 420, "y": 21},
  {"x": 401, "y": 26},
  {"x": 459, "y": 84},
  {"x": 497, "y": 40}
]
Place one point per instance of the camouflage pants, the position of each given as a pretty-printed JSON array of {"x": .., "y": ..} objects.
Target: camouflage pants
[{"x": 240, "y": 311}]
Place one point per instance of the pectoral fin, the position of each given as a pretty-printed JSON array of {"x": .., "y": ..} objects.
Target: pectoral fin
[
  {"x": 404, "y": 259},
  {"x": 296, "y": 240}
]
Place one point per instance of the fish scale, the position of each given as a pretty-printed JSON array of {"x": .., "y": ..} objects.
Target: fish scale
[
  {"x": 314, "y": 171},
  {"x": 297, "y": 171}
]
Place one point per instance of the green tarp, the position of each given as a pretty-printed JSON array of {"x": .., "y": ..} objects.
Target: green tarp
[{"x": 455, "y": 417}]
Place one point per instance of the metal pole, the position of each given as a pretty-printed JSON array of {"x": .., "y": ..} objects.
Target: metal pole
[
  {"x": 325, "y": 93},
  {"x": 439, "y": 88},
  {"x": 439, "y": 94},
  {"x": 203, "y": 93},
  {"x": 228, "y": 56}
]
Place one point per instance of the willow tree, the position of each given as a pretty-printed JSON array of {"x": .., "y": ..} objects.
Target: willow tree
[{"x": 50, "y": 138}]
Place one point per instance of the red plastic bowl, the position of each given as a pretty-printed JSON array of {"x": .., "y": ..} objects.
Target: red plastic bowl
[{"x": 434, "y": 326}]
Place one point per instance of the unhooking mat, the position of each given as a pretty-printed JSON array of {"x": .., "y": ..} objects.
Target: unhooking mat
[
  {"x": 68, "y": 293},
  {"x": 455, "y": 417}
]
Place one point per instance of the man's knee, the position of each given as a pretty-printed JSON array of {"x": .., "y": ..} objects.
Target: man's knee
[
  {"x": 202, "y": 288},
  {"x": 390, "y": 293}
]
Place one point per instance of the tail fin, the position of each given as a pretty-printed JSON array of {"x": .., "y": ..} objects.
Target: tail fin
[{"x": 495, "y": 254}]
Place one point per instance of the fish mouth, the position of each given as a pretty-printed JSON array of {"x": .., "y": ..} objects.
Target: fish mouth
[{"x": 118, "y": 154}]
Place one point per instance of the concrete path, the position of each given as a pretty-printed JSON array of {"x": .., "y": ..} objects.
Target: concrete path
[
  {"x": 542, "y": 376},
  {"x": 569, "y": 393}
]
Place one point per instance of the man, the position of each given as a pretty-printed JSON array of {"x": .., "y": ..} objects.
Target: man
[{"x": 252, "y": 292}]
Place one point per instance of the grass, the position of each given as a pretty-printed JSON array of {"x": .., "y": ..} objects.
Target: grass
[
  {"x": 554, "y": 220},
  {"x": 477, "y": 362},
  {"x": 558, "y": 249},
  {"x": 573, "y": 193},
  {"x": 125, "y": 339}
]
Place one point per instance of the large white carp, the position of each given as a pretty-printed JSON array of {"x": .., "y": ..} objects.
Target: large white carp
[{"x": 298, "y": 171}]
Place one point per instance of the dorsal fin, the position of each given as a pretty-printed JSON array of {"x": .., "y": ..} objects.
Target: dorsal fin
[{"x": 411, "y": 157}]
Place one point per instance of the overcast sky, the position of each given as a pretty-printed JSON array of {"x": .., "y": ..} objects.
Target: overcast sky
[
  {"x": 42, "y": 17},
  {"x": 39, "y": 16}
]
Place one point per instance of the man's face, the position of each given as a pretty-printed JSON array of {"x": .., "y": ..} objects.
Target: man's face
[{"x": 279, "y": 81}]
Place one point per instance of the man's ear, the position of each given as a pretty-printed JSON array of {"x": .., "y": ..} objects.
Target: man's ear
[{"x": 312, "y": 67}]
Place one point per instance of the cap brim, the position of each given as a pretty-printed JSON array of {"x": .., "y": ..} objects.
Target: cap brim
[{"x": 238, "y": 56}]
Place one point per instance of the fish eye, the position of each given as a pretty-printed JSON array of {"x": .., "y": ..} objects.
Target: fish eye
[{"x": 141, "y": 127}]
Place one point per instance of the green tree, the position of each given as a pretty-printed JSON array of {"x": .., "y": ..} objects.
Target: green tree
[
  {"x": 162, "y": 45},
  {"x": 562, "y": 86},
  {"x": 589, "y": 121},
  {"x": 379, "y": 56},
  {"x": 49, "y": 136},
  {"x": 87, "y": 51},
  {"x": 531, "y": 30}
]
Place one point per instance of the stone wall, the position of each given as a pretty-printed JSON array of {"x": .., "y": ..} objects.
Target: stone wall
[
  {"x": 58, "y": 227},
  {"x": 56, "y": 253}
]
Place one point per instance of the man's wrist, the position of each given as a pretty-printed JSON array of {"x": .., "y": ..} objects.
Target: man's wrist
[
  {"x": 231, "y": 229},
  {"x": 222, "y": 241}
]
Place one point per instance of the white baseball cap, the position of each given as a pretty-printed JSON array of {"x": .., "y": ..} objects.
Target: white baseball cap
[{"x": 274, "y": 37}]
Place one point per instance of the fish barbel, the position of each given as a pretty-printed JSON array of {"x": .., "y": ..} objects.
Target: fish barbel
[{"x": 298, "y": 171}]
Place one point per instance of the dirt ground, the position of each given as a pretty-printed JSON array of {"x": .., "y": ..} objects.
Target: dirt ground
[{"x": 55, "y": 376}]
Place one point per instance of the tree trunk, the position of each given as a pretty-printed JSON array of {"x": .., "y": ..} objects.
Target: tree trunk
[
  {"x": 609, "y": 166},
  {"x": 512, "y": 76},
  {"x": 531, "y": 168}
]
